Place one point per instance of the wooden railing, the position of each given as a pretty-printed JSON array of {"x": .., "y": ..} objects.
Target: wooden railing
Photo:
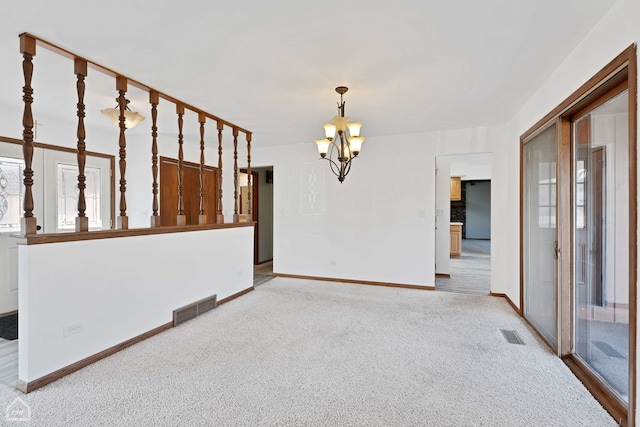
[{"x": 28, "y": 43}]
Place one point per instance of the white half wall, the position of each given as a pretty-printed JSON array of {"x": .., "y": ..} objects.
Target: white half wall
[{"x": 112, "y": 290}]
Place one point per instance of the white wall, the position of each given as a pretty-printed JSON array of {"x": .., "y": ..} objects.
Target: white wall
[
  {"x": 140, "y": 281},
  {"x": 379, "y": 225}
]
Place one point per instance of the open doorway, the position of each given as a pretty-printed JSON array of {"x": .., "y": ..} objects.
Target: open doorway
[
  {"x": 463, "y": 223},
  {"x": 262, "y": 207}
]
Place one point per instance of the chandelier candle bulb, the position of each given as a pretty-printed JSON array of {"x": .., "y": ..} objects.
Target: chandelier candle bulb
[
  {"x": 330, "y": 131},
  {"x": 341, "y": 123},
  {"x": 323, "y": 146},
  {"x": 356, "y": 144},
  {"x": 341, "y": 149},
  {"x": 354, "y": 128}
]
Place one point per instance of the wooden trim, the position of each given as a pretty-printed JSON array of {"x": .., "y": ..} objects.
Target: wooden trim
[
  {"x": 511, "y": 303},
  {"x": 8, "y": 313},
  {"x": 55, "y": 147},
  {"x": 234, "y": 296},
  {"x": 356, "y": 282},
  {"x": 115, "y": 233},
  {"x": 264, "y": 262},
  {"x": 443, "y": 276},
  {"x": 173, "y": 161},
  {"x": 108, "y": 71},
  {"x": 592, "y": 84},
  {"x": 42, "y": 381},
  {"x": 609, "y": 401},
  {"x": 632, "y": 80},
  {"x": 609, "y": 81},
  {"x": 111, "y": 158}
]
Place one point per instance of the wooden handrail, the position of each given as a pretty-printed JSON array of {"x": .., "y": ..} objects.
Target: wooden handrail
[
  {"x": 220, "y": 218},
  {"x": 182, "y": 218},
  {"x": 28, "y": 50},
  {"x": 121, "y": 87},
  {"x": 82, "y": 222},
  {"x": 110, "y": 72},
  {"x": 154, "y": 100},
  {"x": 236, "y": 217},
  {"x": 202, "y": 216}
]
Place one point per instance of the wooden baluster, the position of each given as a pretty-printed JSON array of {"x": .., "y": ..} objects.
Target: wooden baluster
[
  {"x": 182, "y": 218},
  {"x": 249, "y": 205},
  {"x": 236, "y": 217},
  {"x": 28, "y": 51},
  {"x": 121, "y": 87},
  {"x": 154, "y": 99},
  {"x": 82, "y": 222},
  {"x": 202, "y": 217},
  {"x": 220, "y": 219}
]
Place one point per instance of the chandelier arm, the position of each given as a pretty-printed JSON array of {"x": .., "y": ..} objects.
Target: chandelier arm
[{"x": 334, "y": 167}]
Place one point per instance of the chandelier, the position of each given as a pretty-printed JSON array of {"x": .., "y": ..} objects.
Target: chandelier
[
  {"x": 341, "y": 149},
  {"x": 131, "y": 118}
]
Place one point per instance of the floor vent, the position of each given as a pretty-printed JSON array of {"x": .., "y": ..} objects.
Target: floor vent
[
  {"x": 511, "y": 337},
  {"x": 192, "y": 310}
]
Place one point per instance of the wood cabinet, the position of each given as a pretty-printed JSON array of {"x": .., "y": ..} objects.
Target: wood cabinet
[
  {"x": 456, "y": 239},
  {"x": 456, "y": 188}
]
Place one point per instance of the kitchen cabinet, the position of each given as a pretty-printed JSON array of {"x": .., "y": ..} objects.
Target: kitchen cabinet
[
  {"x": 456, "y": 239},
  {"x": 456, "y": 188}
]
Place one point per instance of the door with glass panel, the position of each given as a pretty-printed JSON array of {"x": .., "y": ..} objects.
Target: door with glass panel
[
  {"x": 539, "y": 212},
  {"x": 601, "y": 240},
  {"x": 11, "y": 211},
  {"x": 55, "y": 203}
]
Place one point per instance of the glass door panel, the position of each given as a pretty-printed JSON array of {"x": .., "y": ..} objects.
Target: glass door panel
[
  {"x": 601, "y": 241},
  {"x": 539, "y": 234}
]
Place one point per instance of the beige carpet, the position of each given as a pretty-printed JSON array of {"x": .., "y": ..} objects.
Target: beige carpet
[{"x": 296, "y": 352}]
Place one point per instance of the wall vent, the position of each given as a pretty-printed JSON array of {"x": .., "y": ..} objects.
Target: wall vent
[
  {"x": 511, "y": 336},
  {"x": 194, "y": 309}
]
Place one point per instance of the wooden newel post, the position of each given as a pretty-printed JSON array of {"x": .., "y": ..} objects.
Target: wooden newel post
[
  {"x": 154, "y": 100},
  {"x": 80, "y": 69},
  {"x": 28, "y": 50},
  {"x": 249, "y": 187},
  {"x": 202, "y": 217},
  {"x": 121, "y": 87},
  {"x": 182, "y": 218},
  {"x": 220, "y": 219},
  {"x": 236, "y": 217}
]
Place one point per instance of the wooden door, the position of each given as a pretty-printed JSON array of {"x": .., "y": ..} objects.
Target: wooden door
[{"x": 191, "y": 193}]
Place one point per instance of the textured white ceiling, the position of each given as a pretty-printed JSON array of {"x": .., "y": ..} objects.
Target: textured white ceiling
[{"x": 272, "y": 66}]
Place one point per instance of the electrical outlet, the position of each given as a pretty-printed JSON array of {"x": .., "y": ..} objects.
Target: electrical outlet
[{"x": 68, "y": 330}]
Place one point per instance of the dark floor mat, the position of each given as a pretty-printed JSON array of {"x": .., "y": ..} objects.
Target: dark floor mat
[{"x": 9, "y": 327}]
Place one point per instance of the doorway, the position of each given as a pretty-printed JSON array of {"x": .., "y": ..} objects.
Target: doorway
[
  {"x": 262, "y": 183},
  {"x": 463, "y": 223}
]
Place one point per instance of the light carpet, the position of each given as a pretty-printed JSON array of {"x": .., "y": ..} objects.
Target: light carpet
[{"x": 297, "y": 352}]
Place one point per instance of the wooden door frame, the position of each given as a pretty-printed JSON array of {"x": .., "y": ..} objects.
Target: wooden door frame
[{"x": 621, "y": 70}]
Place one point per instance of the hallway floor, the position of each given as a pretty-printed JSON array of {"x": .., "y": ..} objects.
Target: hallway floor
[{"x": 470, "y": 272}]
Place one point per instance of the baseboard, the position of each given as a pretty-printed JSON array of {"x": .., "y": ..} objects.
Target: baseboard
[
  {"x": 505, "y": 296},
  {"x": 234, "y": 296},
  {"x": 357, "y": 282},
  {"x": 28, "y": 387},
  {"x": 265, "y": 261},
  {"x": 9, "y": 313},
  {"x": 443, "y": 276}
]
